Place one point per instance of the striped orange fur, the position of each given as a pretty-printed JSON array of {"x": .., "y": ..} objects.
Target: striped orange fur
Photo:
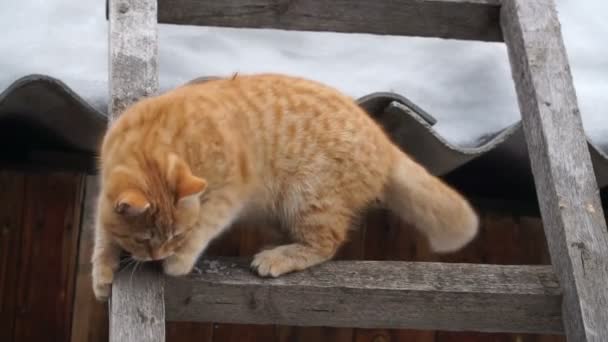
[{"x": 179, "y": 168}]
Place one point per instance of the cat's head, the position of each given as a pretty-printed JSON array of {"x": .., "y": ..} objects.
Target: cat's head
[{"x": 150, "y": 211}]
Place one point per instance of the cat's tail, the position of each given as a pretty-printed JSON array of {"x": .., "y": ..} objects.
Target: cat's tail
[{"x": 434, "y": 208}]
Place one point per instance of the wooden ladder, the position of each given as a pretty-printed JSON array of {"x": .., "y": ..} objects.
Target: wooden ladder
[{"x": 571, "y": 297}]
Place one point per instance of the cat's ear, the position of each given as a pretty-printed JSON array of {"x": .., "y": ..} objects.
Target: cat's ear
[
  {"x": 131, "y": 203},
  {"x": 189, "y": 190},
  {"x": 188, "y": 187}
]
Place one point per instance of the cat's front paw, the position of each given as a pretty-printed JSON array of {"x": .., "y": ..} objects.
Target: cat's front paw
[
  {"x": 102, "y": 291},
  {"x": 102, "y": 282},
  {"x": 177, "y": 265},
  {"x": 273, "y": 262}
]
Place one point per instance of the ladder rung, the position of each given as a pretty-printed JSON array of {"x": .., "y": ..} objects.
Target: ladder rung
[
  {"x": 459, "y": 19},
  {"x": 372, "y": 294}
]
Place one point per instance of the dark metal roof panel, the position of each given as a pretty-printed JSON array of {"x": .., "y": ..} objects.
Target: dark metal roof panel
[
  {"x": 48, "y": 103},
  {"x": 500, "y": 157}
]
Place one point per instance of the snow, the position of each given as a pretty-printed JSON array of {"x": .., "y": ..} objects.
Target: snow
[{"x": 466, "y": 85}]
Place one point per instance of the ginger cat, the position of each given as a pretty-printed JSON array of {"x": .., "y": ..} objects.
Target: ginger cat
[{"x": 177, "y": 169}]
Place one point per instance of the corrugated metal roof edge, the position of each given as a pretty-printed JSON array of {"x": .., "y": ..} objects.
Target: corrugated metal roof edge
[
  {"x": 48, "y": 102},
  {"x": 51, "y": 103}
]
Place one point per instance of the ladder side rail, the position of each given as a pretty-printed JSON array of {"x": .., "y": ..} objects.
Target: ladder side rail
[
  {"x": 137, "y": 311},
  {"x": 565, "y": 183}
]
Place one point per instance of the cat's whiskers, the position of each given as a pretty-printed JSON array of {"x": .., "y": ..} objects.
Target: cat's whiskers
[
  {"x": 126, "y": 261},
  {"x": 137, "y": 263}
]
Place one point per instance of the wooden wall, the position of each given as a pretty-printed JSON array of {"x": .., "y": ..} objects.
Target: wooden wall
[
  {"x": 506, "y": 238},
  {"x": 39, "y": 227},
  {"x": 38, "y": 248}
]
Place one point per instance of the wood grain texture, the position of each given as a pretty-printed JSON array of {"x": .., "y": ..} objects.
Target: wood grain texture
[
  {"x": 137, "y": 306},
  {"x": 47, "y": 257},
  {"x": 442, "y": 336},
  {"x": 306, "y": 334},
  {"x": 566, "y": 185},
  {"x": 133, "y": 52},
  {"x": 11, "y": 215},
  {"x": 393, "y": 335},
  {"x": 354, "y": 249},
  {"x": 137, "y": 303},
  {"x": 71, "y": 235},
  {"x": 372, "y": 294},
  {"x": 242, "y": 240},
  {"x": 90, "y": 317},
  {"x": 226, "y": 245},
  {"x": 504, "y": 238},
  {"x": 189, "y": 331},
  {"x": 457, "y": 19},
  {"x": 389, "y": 238},
  {"x": 243, "y": 333}
]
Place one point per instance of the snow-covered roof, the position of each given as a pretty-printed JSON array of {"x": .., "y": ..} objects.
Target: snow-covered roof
[
  {"x": 466, "y": 85},
  {"x": 54, "y": 72},
  {"x": 500, "y": 159}
]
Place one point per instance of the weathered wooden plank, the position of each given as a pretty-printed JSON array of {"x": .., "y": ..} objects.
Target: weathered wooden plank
[
  {"x": 137, "y": 306},
  {"x": 306, "y": 334},
  {"x": 48, "y": 253},
  {"x": 570, "y": 206},
  {"x": 11, "y": 218},
  {"x": 189, "y": 331},
  {"x": 137, "y": 303},
  {"x": 133, "y": 52},
  {"x": 243, "y": 333},
  {"x": 389, "y": 238},
  {"x": 394, "y": 335},
  {"x": 457, "y": 19},
  {"x": 354, "y": 249},
  {"x": 244, "y": 239},
  {"x": 371, "y": 294},
  {"x": 70, "y": 249},
  {"x": 90, "y": 317}
]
